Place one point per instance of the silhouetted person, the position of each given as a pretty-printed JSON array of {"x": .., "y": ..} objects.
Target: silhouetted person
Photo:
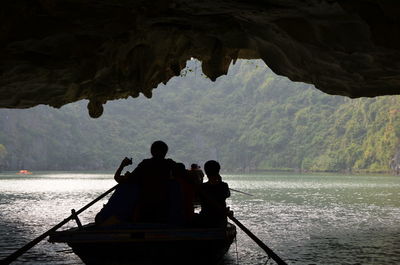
[
  {"x": 181, "y": 201},
  {"x": 195, "y": 176},
  {"x": 120, "y": 207},
  {"x": 151, "y": 176},
  {"x": 213, "y": 195},
  {"x": 196, "y": 173},
  {"x": 122, "y": 178},
  {"x": 187, "y": 191}
]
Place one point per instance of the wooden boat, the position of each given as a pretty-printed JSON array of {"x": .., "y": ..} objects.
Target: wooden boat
[
  {"x": 147, "y": 244},
  {"x": 24, "y": 172},
  {"x": 144, "y": 244}
]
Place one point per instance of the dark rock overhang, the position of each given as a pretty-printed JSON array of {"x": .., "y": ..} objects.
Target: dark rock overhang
[{"x": 59, "y": 51}]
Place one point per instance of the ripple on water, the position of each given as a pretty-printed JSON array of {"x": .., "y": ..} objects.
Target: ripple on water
[{"x": 306, "y": 219}]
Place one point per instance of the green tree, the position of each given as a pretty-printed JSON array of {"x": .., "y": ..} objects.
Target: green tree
[
  {"x": 3, "y": 154},
  {"x": 250, "y": 120}
]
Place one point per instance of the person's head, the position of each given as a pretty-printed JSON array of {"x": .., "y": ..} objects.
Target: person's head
[
  {"x": 212, "y": 168},
  {"x": 194, "y": 166},
  {"x": 159, "y": 149}
]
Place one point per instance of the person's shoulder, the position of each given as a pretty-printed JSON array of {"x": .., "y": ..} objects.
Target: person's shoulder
[
  {"x": 159, "y": 162},
  {"x": 198, "y": 171},
  {"x": 145, "y": 161},
  {"x": 191, "y": 173},
  {"x": 224, "y": 184},
  {"x": 170, "y": 160},
  {"x": 205, "y": 184}
]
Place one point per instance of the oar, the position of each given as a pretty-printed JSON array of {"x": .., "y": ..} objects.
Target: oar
[
  {"x": 31, "y": 244},
  {"x": 269, "y": 251},
  {"x": 245, "y": 193},
  {"x": 261, "y": 244}
]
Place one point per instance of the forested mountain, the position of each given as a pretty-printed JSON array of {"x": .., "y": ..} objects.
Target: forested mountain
[{"x": 250, "y": 120}]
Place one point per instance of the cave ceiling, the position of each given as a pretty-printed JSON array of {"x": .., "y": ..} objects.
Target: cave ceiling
[{"x": 55, "y": 52}]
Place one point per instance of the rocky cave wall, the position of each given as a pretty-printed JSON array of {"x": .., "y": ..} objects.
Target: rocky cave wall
[{"x": 59, "y": 51}]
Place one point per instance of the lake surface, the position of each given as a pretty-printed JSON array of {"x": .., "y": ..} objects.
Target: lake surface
[{"x": 306, "y": 219}]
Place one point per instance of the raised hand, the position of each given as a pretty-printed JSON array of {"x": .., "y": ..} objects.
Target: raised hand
[{"x": 126, "y": 162}]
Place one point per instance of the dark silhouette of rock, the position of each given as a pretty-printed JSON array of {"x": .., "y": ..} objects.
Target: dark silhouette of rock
[{"x": 57, "y": 52}]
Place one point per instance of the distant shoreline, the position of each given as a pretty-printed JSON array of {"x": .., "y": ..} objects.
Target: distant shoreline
[
  {"x": 354, "y": 172},
  {"x": 235, "y": 172}
]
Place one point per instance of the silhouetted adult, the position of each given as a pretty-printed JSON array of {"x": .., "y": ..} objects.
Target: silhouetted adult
[
  {"x": 151, "y": 176},
  {"x": 213, "y": 195}
]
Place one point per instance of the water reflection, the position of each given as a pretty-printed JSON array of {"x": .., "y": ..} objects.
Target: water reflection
[{"x": 306, "y": 219}]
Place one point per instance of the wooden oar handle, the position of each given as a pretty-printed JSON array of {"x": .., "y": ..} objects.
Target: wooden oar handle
[
  {"x": 261, "y": 244},
  {"x": 245, "y": 193}
]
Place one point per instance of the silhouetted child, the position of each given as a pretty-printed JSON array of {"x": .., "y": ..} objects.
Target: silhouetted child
[
  {"x": 212, "y": 196},
  {"x": 196, "y": 174}
]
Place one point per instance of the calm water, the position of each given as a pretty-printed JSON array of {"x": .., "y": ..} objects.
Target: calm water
[{"x": 306, "y": 219}]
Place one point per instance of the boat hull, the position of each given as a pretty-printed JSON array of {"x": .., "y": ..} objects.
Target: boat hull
[{"x": 149, "y": 246}]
